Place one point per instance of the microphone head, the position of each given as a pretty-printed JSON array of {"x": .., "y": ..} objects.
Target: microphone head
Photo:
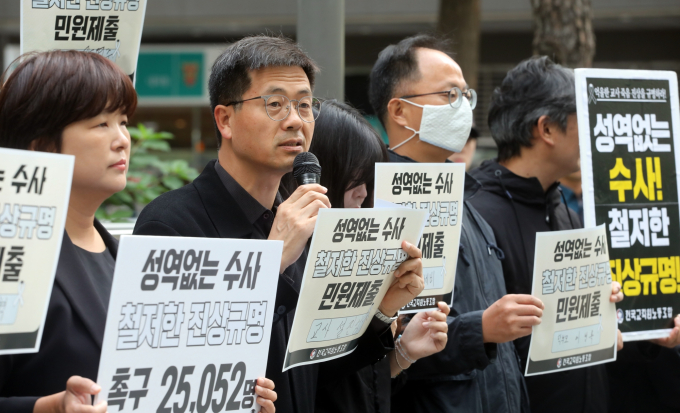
[{"x": 306, "y": 163}]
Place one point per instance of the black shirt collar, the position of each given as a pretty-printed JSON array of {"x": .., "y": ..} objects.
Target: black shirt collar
[{"x": 258, "y": 215}]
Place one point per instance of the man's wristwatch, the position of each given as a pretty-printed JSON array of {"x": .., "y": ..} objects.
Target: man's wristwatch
[{"x": 385, "y": 319}]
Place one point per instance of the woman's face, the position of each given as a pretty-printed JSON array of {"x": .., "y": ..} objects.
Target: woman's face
[
  {"x": 355, "y": 197},
  {"x": 101, "y": 146}
]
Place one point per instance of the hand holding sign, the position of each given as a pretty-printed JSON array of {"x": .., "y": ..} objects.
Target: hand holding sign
[
  {"x": 511, "y": 317},
  {"x": 76, "y": 398},
  {"x": 572, "y": 277},
  {"x": 349, "y": 274},
  {"x": 408, "y": 283},
  {"x": 265, "y": 389},
  {"x": 617, "y": 295},
  {"x": 673, "y": 338}
]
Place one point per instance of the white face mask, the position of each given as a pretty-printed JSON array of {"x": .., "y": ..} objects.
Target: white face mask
[{"x": 443, "y": 126}]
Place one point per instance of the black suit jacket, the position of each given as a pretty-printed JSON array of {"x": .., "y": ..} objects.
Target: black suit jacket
[
  {"x": 72, "y": 338},
  {"x": 205, "y": 208}
]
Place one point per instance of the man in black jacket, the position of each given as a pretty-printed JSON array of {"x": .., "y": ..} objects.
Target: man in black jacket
[
  {"x": 260, "y": 93},
  {"x": 533, "y": 121},
  {"x": 418, "y": 90}
]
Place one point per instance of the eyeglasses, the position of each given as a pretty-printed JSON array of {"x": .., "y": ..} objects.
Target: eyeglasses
[
  {"x": 454, "y": 96},
  {"x": 278, "y": 107}
]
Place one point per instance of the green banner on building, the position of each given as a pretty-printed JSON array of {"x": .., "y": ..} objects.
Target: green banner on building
[{"x": 171, "y": 74}]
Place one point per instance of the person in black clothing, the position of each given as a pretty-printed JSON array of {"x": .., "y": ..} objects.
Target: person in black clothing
[
  {"x": 73, "y": 103},
  {"x": 533, "y": 121},
  {"x": 348, "y": 148},
  {"x": 420, "y": 96},
  {"x": 260, "y": 93},
  {"x": 646, "y": 376}
]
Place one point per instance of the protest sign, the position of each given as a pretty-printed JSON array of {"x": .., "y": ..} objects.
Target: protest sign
[
  {"x": 34, "y": 194},
  {"x": 111, "y": 28},
  {"x": 573, "y": 279},
  {"x": 189, "y": 324},
  {"x": 628, "y": 131},
  {"x": 436, "y": 188},
  {"x": 350, "y": 267}
]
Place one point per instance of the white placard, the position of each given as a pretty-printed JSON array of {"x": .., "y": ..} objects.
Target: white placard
[
  {"x": 189, "y": 324},
  {"x": 436, "y": 188},
  {"x": 573, "y": 279},
  {"x": 350, "y": 267},
  {"x": 111, "y": 28},
  {"x": 34, "y": 194}
]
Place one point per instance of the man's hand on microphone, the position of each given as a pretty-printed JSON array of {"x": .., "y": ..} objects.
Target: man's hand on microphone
[
  {"x": 295, "y": 220},
  {"x": 408, "y": 284}
]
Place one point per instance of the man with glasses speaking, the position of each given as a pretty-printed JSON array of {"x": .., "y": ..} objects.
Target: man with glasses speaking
[
  {"x": 264, "y": 112},
  {"x": 419, "y": 93}
]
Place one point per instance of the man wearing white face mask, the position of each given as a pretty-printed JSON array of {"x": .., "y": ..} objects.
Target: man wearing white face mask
[
  {"x": 420, "y": 95},
  {"x": 444, "y": 125}
]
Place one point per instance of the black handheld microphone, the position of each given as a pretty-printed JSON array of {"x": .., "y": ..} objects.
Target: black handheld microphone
[{"x": 306, "y": 169}]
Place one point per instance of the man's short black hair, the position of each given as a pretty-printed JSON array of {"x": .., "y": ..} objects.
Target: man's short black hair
[
  {"x": 397, "y": 63},
  {"x": 230, "y": 77},
  {"x": 536, "y": 87}
]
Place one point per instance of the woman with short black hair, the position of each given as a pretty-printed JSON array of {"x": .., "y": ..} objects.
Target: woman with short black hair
[{"x": 73, "y": 103}]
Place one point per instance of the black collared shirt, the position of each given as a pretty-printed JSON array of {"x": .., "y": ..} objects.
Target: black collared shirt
[{"x": 259, "y": 216}]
